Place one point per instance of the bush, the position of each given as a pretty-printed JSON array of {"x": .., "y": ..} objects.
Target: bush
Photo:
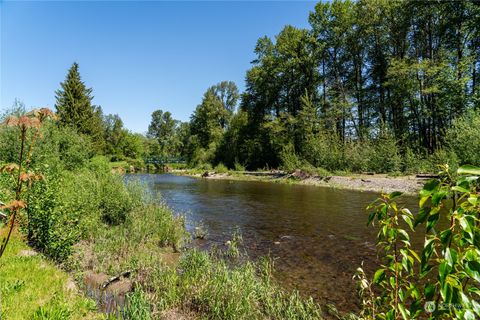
[
  {"x": 463, "y": 138},
  {"x": 238, "y": 167},
  {"x": 68, "y": 206},
  {"x": 290, "y": 161},
  {"x": 221, "y": 168},
  {"x": 115, "y": 200},
  {"x": 385, "y": 156}
]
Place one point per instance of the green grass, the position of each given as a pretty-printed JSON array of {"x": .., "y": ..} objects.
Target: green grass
[{"x": 31, "y": 287}]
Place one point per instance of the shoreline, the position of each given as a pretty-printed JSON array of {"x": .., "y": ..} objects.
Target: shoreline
[{"x": 377, "y": 183}]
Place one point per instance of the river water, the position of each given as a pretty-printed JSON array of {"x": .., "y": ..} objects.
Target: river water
[{"x": 317, "y": 236}]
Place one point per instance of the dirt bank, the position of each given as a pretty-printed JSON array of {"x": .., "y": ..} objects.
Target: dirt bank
[{"x": 362, "y": 182}]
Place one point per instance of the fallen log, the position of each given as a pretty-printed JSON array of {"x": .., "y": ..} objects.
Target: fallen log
[
  {"x": 116, "y": 278},
  {"x": 427, "y": 176}
]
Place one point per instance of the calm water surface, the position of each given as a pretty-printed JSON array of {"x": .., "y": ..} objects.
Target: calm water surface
[{"x": 317, "y": 236}]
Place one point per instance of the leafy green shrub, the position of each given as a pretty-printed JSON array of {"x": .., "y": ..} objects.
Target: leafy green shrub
[
  {"x": 463, "y": 138},
  {"x": 442, "y": 280},
  {"x": 221, "y": 168},
  {"x": 115, "y": 201},
  {"x": 238, "y": 167},
  {"x": 385, "y": 156},
  {"x": 358, "y": 156},
  {"x": 99, "y": 164},
  {"x": 290, "y": 161},
  {"x": 68, "y": 206}
]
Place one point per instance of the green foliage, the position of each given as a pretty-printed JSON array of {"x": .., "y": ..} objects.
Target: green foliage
[
  {"x": 162, "y": 128},
  {"x": 441, "y": 281},
  {"x": 74, "y": 108},
  {"x": 385, "y": 155},
  {"x": 217, "y": 291},
  {"x": 220, "y": 168},
  {"x": 465, "y": 148},
  {"x": 289, "y": 159},
  {"x": 238, "y": 167},
  {"x": 66, "y": 207},
  {"x": 354, "y": 94},
  {"x": 137, "y": 306},
  {"x": 39, "y": 282}
]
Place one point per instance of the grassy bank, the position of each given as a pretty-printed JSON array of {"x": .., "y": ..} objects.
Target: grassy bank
[{"x": 32, "y": 287}]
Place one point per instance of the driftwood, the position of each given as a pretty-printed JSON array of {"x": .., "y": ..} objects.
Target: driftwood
[
  {"x": 116, "y": 278},
  {"x": 427, "y": 176}
]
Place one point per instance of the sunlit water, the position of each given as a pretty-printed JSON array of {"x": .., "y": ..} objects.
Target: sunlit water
[{"x": 317, "y": 236}]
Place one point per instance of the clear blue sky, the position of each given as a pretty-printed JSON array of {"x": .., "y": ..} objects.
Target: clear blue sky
[{"x": 137, "y": 56}]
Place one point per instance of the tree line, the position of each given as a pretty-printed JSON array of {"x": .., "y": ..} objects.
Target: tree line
[{"x": 371, "y": 85}]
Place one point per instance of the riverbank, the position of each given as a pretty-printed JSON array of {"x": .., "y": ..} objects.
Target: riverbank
[
  {"x": 24, "y": 293},
  {"x": 361, "y": 182}
]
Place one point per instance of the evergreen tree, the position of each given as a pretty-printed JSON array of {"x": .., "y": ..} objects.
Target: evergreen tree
[{"x": 75, "y": 109}]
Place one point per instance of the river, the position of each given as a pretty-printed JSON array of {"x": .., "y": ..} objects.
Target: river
[{"x": 317, "y": 236}]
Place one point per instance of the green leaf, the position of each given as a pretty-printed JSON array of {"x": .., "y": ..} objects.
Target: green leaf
[
  {"x": 379, "y": 276},
  {"x": 468, "y": 315},
  {"x": 472, "y": 268},
  {"x": 429, "y": 291},
  {"x": 432, "y": 221},
  {"x": 476, "y": 307},
  {"x": 422, "y": 216},
  {"x": 430, "y": 186},
  {"x": 371, "y": 216},
  {"x": 405, "y": 313},
  {"x": 408, "y": 220},
  {"x": 469, "y": 170},
  {"x": 445, "y": 236},
  {"x": 460, "y": 189},
  {"x": 438, "y": 196},
  {"x": 404, "y": 235},
  {"x": 394, "y": 195}
]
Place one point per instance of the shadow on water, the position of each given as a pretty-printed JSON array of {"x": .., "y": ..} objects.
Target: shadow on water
[{"x": 316, "y": 236}]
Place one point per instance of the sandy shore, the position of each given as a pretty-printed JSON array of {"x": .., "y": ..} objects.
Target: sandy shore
[{"x": 374, "y": 183}]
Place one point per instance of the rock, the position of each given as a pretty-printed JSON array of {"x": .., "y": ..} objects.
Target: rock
[
  {"x": 276, "y": 242},
  {"x": 205, "y": 174}
]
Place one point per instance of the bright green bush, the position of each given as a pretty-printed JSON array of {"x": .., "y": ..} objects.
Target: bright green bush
[
  {"x": 238, "y": 167},
  {"x": 441, "y": 279},
  {"x": 385, "y": 156},
  {"x": 221, "y": 168},
  {"x": 68, "y": 206},
  {"x": 289, "y": 159},
  {"x": 463, "y": 137}
]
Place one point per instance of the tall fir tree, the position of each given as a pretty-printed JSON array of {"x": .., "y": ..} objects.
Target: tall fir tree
[{"x": 75, "y": 109}]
